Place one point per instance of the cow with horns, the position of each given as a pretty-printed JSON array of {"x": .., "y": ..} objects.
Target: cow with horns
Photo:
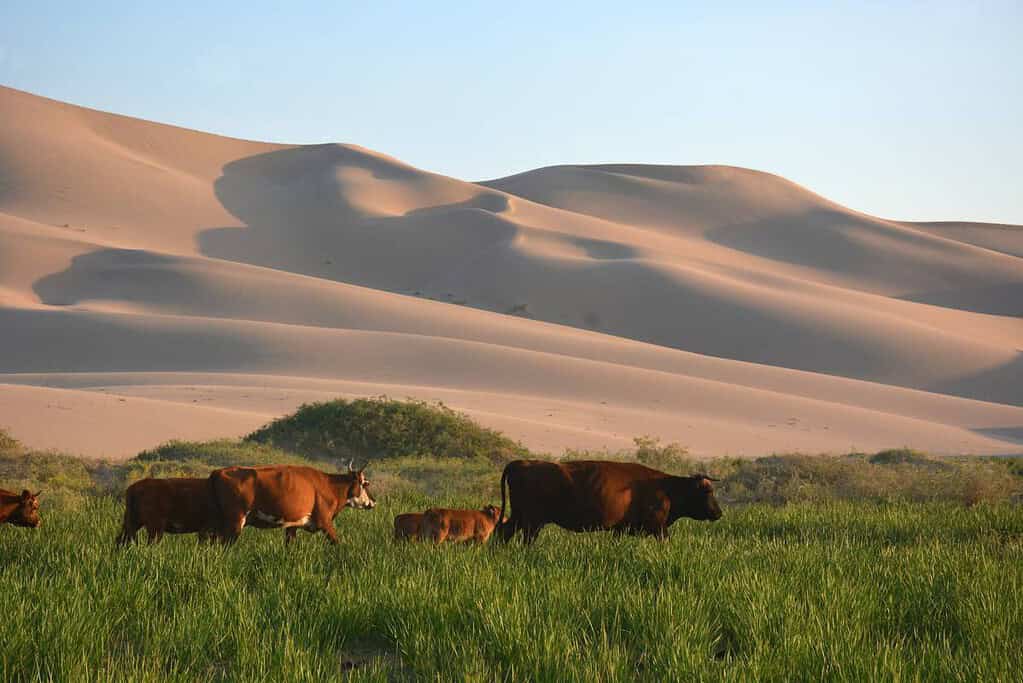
[
  {"x": 624, "y": 497},
  {"x": 286, "y": 496}
]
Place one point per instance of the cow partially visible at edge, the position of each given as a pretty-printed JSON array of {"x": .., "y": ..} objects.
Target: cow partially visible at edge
[
  {"x": 20, "y": 510},
  {"x": 286, "y": 496},
  {"x": 593, "y": 495}
]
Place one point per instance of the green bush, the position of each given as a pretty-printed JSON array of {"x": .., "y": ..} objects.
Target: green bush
[
  {"x": 375, "y": 428},
  {"x": 887, "y": 476}
]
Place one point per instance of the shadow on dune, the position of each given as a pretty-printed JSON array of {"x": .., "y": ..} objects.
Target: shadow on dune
[
  {"x": 1005, "y": 299},
  {"x": 83, "y": 341},
  {"x": 1002, "y": 384},
  {"x": 875, "y": 251},
  {"x": 129, "y": 275},
  {"x": 300, "y": 216}
]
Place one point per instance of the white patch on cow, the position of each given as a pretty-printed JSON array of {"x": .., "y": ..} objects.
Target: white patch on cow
[
  {"x": 278, "y": 521},
  {"x": 361, "y": 501},
  {"x": 268, "y": 519}
]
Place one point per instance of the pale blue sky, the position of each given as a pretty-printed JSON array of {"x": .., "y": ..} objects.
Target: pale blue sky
[{"x": 904, "y": 110}]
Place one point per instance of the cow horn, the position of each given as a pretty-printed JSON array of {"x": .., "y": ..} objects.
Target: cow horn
[
  {"x": 350, "y": 465},
  {"x": 705, "y": 476}
]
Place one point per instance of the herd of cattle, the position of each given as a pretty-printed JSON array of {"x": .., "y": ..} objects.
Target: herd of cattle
[{"x": 578, "y": 496}]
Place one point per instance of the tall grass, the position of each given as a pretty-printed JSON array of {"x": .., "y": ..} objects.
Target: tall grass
[{"x": 840, "y": 591}]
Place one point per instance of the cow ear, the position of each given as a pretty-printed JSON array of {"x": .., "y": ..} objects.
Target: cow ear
[{"x": 36, "y": 494}]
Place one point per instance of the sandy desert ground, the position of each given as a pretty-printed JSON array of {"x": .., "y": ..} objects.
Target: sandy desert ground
[{"x": 158, "y": 283}]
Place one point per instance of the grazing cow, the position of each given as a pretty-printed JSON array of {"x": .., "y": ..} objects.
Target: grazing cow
[
  {"x": 20, "y": 510},
  {"x": 594, "y": 495},
  {"x": 174, "y": 506},
  {"x": 287, "y": 496},
  {"x": 474, "y": 526},
  {"x": 406, "y": 526}
]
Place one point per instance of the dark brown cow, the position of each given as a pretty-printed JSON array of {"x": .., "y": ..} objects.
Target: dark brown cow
[
  {"x": 287, "y": 496},
  {"x": 20, "y": 510},
  {"x": 591, "y": 495},
  {"x": 406, "y": 526},
  {"x": 474, "y": 526},
  {"x": 173, "y": 506}
]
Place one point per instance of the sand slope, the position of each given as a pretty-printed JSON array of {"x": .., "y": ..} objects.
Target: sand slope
[{"x": 215, "y": 283}]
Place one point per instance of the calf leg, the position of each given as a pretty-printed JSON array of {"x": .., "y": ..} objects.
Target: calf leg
[
  {"x": 289, "y": 534},
  {"x": 234, "y": 522}
]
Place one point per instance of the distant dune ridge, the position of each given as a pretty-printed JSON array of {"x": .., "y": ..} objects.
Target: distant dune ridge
[{"x": 157, "y": 282}]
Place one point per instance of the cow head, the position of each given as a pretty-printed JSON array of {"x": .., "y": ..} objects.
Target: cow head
[
  {"x": 698, "y": 500},
  {"x": 358, "y": 490},
  {"x": 492, "y": 512},
  {"x": 27, "y": 512}
]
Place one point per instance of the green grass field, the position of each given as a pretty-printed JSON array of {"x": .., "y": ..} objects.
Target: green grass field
[
  {"x": 804, "y": 592},
  {"x": 886, "y": 567}
]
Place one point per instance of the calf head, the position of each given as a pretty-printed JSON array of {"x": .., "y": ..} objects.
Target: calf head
[
  {"x": 27, "y": 512},
  {"x": 358, "y": 495},
  {"x": 698, "y": 499},
  {"x": 492, "y": 512}
]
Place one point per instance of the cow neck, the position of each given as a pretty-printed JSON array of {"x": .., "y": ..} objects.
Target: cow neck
[{"x": 342, "y": 481}]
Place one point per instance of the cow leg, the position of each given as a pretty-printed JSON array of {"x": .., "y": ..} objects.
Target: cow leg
[
  {"x": 508, "y": 529},
  {"x": 530, "y": 533},
  {"x": 235, "y": 522},
  {"x": 154, "y": 533},
  {"x": 656, "y": 520},
  {"x": 127, "y": 533},
  {"x": 289, "y": 534},
  {"x": 324, "y": 522}
]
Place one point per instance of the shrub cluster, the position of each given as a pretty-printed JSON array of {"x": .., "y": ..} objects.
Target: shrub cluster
[{"x": 374, "y": 428}]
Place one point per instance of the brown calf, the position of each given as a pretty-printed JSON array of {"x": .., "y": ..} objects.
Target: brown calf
[
  {"x": 440, "y": 525},
  {"x": 407, "y": 526}
]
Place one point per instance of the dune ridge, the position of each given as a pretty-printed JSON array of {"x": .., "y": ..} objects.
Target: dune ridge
[{"x": 159, "y": 283}]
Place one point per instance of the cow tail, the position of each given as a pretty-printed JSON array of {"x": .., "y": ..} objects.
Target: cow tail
[
  {"x": 130, "y": 517},
  {"x": 500, "y": 517}
]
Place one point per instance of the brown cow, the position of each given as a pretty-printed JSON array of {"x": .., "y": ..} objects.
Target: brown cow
[
  {"x": 175, "y": 506},
  {"x": 20, "y": 510},
  {"x": 406, "y": 526},
  {"x": 287, "y": 496},
  {"x": 475, "y": 526},
  {"x": 593, "y": 495}
]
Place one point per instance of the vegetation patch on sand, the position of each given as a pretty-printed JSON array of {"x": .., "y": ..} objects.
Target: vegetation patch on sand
[{"x": 373, "y": 428}]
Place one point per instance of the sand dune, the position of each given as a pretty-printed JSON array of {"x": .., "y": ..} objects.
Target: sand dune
[{"x": 215, "y": 283}]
